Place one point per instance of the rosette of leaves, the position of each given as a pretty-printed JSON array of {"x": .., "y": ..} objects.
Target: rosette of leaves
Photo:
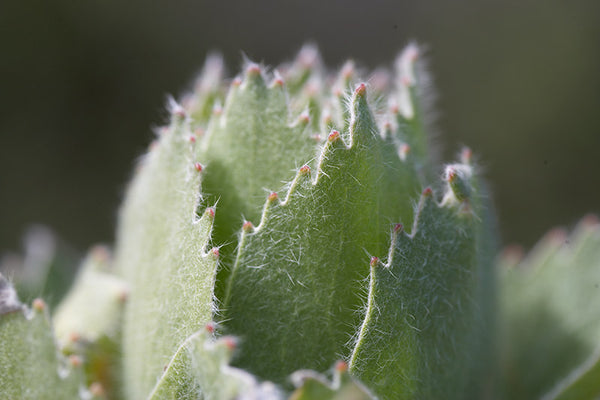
[{"x": 283, "y": 223}]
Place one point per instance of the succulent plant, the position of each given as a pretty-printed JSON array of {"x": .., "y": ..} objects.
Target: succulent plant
[{"x": 289, "y": 235}]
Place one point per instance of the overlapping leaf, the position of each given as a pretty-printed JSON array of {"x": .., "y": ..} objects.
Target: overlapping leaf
[{"x": 162, "y": 254}]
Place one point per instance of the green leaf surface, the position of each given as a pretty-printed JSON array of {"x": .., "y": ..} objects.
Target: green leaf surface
[
  {"x": 581, "y": 384},
  {"x": 251, "y": 146},
  {"x": 93, "y": 307},
  {"x": 550, "y": 304},
  {"x": 423, "y": 311},
  {"x": 162, "y": 254},
  {"x": 30, "y": 364},
  {"x": 200, "y": 370},
  {"x": 298, "y": 280},
  {"x": 314, "y": 386}
]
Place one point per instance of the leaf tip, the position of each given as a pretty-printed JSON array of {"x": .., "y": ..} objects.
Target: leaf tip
[
  {"x": 247, "y": 226},
  {"x": 333, "y": 136},
  {"x": 38, "y": 305}
]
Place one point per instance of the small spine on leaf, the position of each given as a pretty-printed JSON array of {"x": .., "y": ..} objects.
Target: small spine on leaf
[
  {"x": 75, "y": 361},
  {"x": 210, "y": 212},
  {"x": 247, "y": 226},
  {"x": 277, "y": 82},
  {"x": 304, "y": 170},
  {"x": 403, "y": 151},
  {"x": 302, "y": 176},
  {"x": 341, "y": 366},
  {"x": 230, "y": 342},
  {"x": 97, "y": 390},
  {"x": 38, "y": 305},
  {"x": 253, "y": 76},
  {"x": 374, "y": 261},
  {"x": 210, "y": 327},
  {"x": 303, "y": 119},
  {"x": 214, "y": 252},
  {"x": 333, "y": 136},
  {"x": 198, "y": 167},
  {"x": 272, "y": 197}
]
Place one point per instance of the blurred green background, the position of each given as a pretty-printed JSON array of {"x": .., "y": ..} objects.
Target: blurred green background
[{"x": 83, "y": 82}]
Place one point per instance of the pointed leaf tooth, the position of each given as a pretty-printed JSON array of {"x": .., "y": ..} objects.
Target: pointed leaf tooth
[
  {"x": 421, "y": 315},
  {"x": 277, "y": 82},
  {"x": 306, "y": 67},
  {"x": 212, "y": 74},
  {"x": 248, "y": 226},
  {"x": 362, "y": 122},
  {"x": 207, "y": 90},
  {"x": 458, "y": 179},
  {"x": 272, "y": 197},
  {"x": 253, "y": 78}
]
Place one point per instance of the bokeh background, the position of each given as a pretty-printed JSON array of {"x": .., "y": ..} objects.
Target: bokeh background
[{"x": 82, "y": 83}]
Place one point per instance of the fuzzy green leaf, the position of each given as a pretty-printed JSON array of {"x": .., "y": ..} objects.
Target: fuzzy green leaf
[
  {"x": 296, "y": 285},
  {"x": 162, "y": 254},
  {"x": 423, "y": 311},
  {"x": 550, "y": 306},
  {"x": 30, "y": 365},
  {"x": 250, "y": 146},
  {"x": 200, "y": 370},
  {"x": 93, "y": 308},
  {"x": 313, "y": 386}
]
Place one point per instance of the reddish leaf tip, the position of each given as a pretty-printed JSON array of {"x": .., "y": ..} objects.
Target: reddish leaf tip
[
  {"x": 361, "y": 90},
  {"x": 75, "y": 361},
  {"x": 38, "y": 305},
  {"x": 247, "y": 227},
  {"x": 210, "y": 211},
  {"x": 192, "y": 139},
  {"x": 333, "y": 136},
  {"x": 198, "y": 167},
  {"x": 374, "y": 261},
  {"x": 74, "y": 337},
  {"x": 215, "y": 252},
  {"x": 398, "y": 228},
  {"x": 305, "y": 170},
  {"x": 304, "y": 118},
  {"x": 427, "y": 192},
  {"x": 97, "y": 390},
  {"x": 217, "y": 110},
  {"x": 451, "y": 174},
  {"x": 341, "y": 366},
  {"x": 253, "y": 70},
  {"x": 230, "y": 342},
  {"x": 236, "y": 82},
  {"x": 272, "y": 196},
  {"x": 210, "y": 327}
]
